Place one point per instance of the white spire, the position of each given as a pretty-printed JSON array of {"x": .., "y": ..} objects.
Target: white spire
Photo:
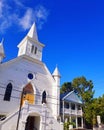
[
  {"x": 56, "y": 72},
  {"x": 2, "y": 48},
  {"x": 32, "y": 32},
  {"x": 2, "y": 54}
]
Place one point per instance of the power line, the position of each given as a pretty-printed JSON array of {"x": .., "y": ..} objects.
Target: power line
[{"x": 35, "y": 95}]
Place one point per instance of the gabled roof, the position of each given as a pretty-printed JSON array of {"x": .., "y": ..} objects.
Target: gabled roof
[{"x": 71, "y": 97}]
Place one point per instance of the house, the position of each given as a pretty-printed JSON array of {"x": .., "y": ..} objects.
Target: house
[
  {"x": 29, "y": 93},
  {"x": 71, "y": 109}
]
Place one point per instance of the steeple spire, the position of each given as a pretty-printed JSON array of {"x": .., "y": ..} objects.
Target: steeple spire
[
  {"x": 32, "y": 32},
  {"x": 56, "y": 75},
  {"x": 56, "y": 72},
  {"x": 2, "y": 54}
]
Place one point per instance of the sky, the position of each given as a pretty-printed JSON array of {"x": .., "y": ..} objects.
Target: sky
[{"x": 72, "y": 31}]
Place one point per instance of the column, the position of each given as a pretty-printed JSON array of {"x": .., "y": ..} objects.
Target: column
[
  {"x": 76, "y": 109},
  {"x": 82, "y": 122},
  {"x": 41, "y": 122},
  {"x": 63, "y": 110},
  {"x": 70, "y": 119},
  {"x": 76, "y": 122},
  {"x": 66, "y": 120},
  {"x": 69, "y": 108}
]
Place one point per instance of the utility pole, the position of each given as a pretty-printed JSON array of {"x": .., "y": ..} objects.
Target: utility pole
[{"x": 19, "y": 111}]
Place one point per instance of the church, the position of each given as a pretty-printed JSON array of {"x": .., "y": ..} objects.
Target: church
[{"x": 29, "y": 93}]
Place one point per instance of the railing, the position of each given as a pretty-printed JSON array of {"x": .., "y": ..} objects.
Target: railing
[{"x": 71, "y": 112}]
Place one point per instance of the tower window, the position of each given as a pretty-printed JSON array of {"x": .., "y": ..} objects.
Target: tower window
[
  {"x": 8, "y": 92},
  {"x": 44, "y": 97},
  {"x": 32, "y": 49},
  {"x": 35, "y": 50}
]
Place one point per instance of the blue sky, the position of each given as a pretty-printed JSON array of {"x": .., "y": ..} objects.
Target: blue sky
[{"x": 72, "y": 31}]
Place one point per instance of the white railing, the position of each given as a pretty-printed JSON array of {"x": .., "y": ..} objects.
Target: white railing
[
  {"x": 79, "y": 112},
  {"x": 71, "y": 112}
]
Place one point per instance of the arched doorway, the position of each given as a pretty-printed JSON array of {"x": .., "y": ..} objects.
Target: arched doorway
[
  {"x": 33, "y": 123},
  {"x": 28, "y": 94}
]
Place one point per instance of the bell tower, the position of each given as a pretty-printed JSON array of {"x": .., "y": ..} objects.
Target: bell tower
[{"x": 30, "y": 45}]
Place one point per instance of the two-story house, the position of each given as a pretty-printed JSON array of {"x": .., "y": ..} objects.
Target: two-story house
[{"x": 71, "y": 109}]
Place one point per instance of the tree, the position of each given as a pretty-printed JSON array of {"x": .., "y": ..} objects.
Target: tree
[
  {"x": 84, "y": 89},
  {"x": 66, "y": 87},
  {"x": 98, "y": 107}
]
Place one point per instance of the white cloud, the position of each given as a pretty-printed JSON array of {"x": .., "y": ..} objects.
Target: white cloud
[
  {"x": 41, "y": 15},
  {"x": 22, "y": 16},
  {"x": 26, "y": 20},
  {"x": 1, "y": 8}
]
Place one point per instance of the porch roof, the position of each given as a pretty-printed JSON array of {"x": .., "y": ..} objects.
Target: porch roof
[{"x": 71, "y": 97}]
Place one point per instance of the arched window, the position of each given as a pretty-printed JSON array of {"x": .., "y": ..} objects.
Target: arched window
[
  {"x": 8, "y": 92},
  {"x": 44, "y": 97}
]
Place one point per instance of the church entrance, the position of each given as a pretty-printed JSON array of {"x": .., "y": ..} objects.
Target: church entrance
[{"x": 33, "y": 123}]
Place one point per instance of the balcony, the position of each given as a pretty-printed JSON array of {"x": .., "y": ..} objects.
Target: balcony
[{"x": 71, "y": 112}]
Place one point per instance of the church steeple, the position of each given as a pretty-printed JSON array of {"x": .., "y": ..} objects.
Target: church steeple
[
  {"x": 32, "y": 32},
  {"x": 30, "y": 45},
  {"x": 2, "y": 54}
]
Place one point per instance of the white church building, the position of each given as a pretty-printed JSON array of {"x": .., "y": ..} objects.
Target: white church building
[{"x": 29, "y": 93}]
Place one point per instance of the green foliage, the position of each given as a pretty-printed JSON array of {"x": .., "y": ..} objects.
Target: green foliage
[
  {"x": 66, "y": 87},
  {"x": 83, "y": 88},
  {"x": 98, "y": 107},
  {"x": 66, "y": 125}
]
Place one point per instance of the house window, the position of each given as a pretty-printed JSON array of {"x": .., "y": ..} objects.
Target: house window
[
  {"x": 66, "y": 105},
  {"x": 44, "y": 97},
  {"x": 8, "y": 92},
  {"x": 79, "y": 107},
  {"x": 73, "y": 106}
]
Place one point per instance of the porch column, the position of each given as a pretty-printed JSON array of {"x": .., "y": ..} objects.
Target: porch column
[
  {"x": 66, "y": 120},
  {"x": 70, "y": 119},
  {"x": 76, "y": 120},
  {"x": 69, "y": 108},
  {"x": 63, "y": 110},
  {"x": 76, "y": 109},
  {"x": 82, "y": 122}
]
